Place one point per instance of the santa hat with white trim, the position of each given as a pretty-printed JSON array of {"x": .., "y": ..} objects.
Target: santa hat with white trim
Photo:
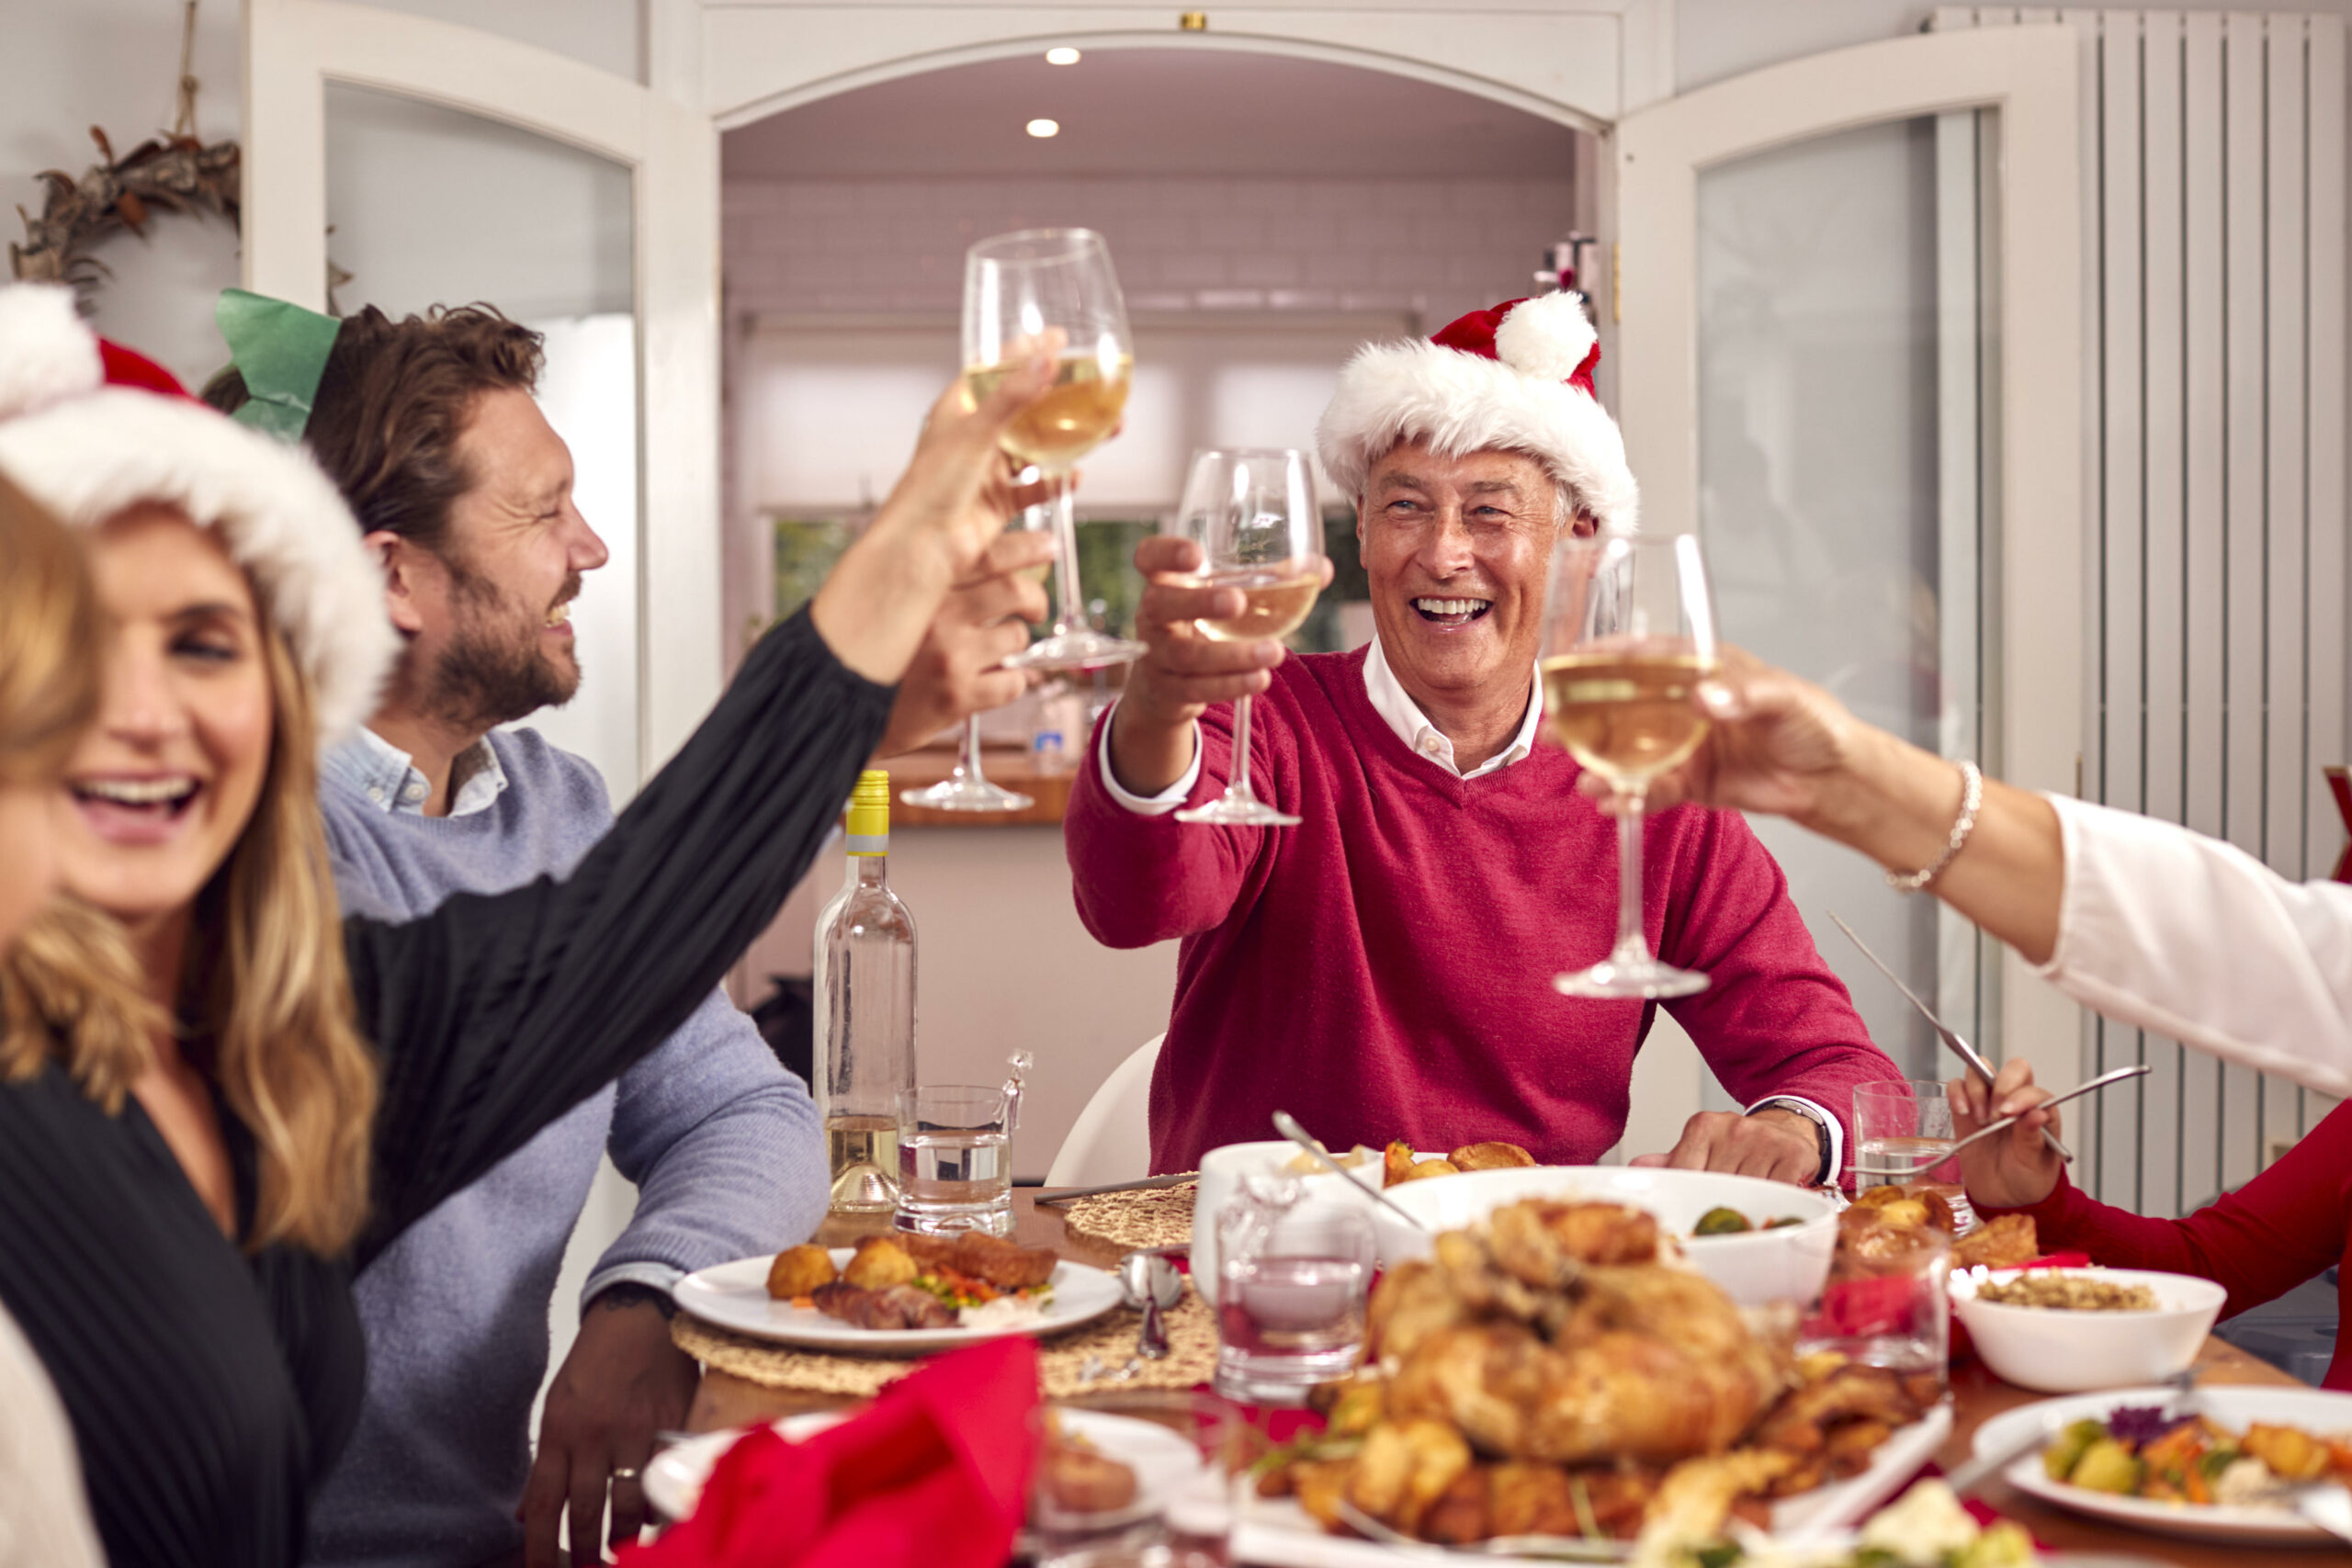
[
  {"x": 1518, "y": 377},
  {"x": 88, "y": 429}
]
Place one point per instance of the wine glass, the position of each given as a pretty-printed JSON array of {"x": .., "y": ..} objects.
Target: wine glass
[
  {"x": 967, "y": 788},
  {"x": 1629, "y": 632},
  {"x": 1254, "y": 516},
  {"x": 1053, "y": 290}
]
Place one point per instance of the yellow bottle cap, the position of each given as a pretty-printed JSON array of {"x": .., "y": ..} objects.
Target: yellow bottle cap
[{"x": 869, "y": 813}]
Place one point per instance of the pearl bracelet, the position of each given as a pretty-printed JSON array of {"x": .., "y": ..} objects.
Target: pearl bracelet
[{"x": 1972, "y": 796}]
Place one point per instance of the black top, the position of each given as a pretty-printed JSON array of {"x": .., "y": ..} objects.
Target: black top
[{"x": 211, "y": 1391}]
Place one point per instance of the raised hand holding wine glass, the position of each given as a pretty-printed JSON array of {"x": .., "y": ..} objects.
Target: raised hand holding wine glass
[
  {"x": 1629, "y": 633},
  {"x": 1253, "y": 514},
  {"x": 1054, "y": 290}
]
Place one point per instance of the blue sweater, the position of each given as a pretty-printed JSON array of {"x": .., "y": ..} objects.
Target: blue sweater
[{"x": 722, "y": 1143}]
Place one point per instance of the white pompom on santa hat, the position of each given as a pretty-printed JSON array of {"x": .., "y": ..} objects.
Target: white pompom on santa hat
[
  {"x": 1516, "y": 378},
  {"x": 89, "y": 429}
]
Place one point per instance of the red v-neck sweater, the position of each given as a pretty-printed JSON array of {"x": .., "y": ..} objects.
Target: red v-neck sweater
[
  {"x": 1384, "y": 969},
  {"x": 2281, "y": 1228}
]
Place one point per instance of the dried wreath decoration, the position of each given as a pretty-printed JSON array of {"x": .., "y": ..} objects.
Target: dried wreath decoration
[{"x": 172, "y": 173}]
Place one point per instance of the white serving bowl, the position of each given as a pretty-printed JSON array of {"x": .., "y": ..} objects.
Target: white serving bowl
[
  {"x": 1753, "y": 1266},
  {"x": 1222, "y": 1170},
  {"x": 2054, "y": 1350}
]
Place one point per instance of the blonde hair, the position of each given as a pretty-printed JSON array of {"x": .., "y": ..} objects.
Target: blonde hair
[
  {"x": 264, "y": 989},
  {"x": 267, "y": 985},
  {"x": 70, "y": 975}
]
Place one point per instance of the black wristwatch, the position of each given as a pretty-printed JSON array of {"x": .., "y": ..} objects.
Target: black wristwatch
[{"x": 629, "y": 1293}]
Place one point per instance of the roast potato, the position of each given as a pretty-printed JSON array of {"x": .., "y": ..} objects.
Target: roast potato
[
  {"x": 798, "y": 1271},
  {"x": 1489, "y": 1156},
  {"x": 880, "y": 1263}
]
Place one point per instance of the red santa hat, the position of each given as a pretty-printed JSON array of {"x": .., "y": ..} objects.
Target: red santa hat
[
  {"x": 88, "y": 429},
  {"x": 1516, "y": 378}
]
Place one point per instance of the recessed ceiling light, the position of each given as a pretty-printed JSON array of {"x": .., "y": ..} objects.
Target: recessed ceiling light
[
  {"x": 1061, "y": 55},
  {"x": 1045, "y": 128}
]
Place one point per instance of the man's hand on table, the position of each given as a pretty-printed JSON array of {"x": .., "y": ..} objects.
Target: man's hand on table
[
  {"x": 1778, "y": 1145},
  {"x": 624, "y": 1380},
  {"x": 1181, "y": 672},
  {"x": 957, "y": 671}
]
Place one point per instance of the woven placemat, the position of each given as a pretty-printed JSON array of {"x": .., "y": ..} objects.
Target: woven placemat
[
  {"x": 1160, "y": 1217},
  {"x": 1061, "y": 1361}
]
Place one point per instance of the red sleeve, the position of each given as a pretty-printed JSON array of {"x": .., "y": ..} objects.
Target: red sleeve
[
  {"x": 2260, "y": 1241},
  {"x": 1140, "y": 879},
  {"x": 1775, "y": 1019}
]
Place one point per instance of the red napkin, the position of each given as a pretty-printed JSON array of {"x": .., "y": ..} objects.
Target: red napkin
[{"x": 935, "y": 1472}]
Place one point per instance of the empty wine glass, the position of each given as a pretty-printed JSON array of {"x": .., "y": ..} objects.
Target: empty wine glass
[
  {"x": 1054, "y": 290},
  {"x": 1629, "y": 632},
  {"x": 1253, "y": 514}
]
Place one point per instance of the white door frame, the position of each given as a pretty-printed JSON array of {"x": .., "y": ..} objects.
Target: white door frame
[
  {"x": 294, "y": 48},
  {"x": 2031, "y": 76}
]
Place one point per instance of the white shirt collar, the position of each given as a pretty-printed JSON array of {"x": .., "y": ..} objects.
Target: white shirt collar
[
  {"x": 1390, "y": 700},
  {"x": 391, "y": 781}
]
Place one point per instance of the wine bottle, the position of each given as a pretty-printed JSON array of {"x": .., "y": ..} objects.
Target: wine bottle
[{"x": 864, "y": 990}]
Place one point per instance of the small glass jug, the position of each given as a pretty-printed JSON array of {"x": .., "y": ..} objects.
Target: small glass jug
[
  {"x": 1293, "y": 1275},
  {"x": 956, "y": 1155}
]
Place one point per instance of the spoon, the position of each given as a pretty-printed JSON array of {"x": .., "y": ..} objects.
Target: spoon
[
  {"x": 1287, "y": 1125},
  {"x": 1149, "y": 1281}
]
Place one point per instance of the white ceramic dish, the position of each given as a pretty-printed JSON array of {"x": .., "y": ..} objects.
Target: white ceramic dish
[
  {"x": 1753, "y": 1268},
  {"x": 2052, "y": 1350},
  {"x": 1164, "y": 1461},
  {"x": 2314, "y": 1410},
  {"x": 1277, "y": 1532},
  {"x": 1222, "y": 1170},
  {"x": 735, "y": 1295}
]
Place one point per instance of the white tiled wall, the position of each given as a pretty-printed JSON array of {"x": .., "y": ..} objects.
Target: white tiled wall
[{"x": 1436, "y": 248}]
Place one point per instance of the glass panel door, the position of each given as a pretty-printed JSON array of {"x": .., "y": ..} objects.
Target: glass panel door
[
  {"x": 430, "y": 206},
  {"x": 1824, "y": 438}
]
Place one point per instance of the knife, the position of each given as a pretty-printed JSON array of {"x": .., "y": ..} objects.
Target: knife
[
  {"x": 1064, "y": 1194},
  {"x": 1961, "y": 1048}
]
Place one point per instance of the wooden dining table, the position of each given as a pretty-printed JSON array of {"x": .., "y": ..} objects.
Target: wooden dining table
[{"x": 723, "y": 1401}]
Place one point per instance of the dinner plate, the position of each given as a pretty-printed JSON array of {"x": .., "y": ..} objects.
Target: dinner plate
[
  {"x": 1163, "y": 1461},
  {"x": 2314, "y": 1410},
  {"x": 1277, "y": 1532},
  {"x": 735, "y": 1295}
]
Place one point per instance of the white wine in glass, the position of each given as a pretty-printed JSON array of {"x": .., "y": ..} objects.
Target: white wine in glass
[
  {"x": 1053, "y": 291},
  {"x": 1629, "y": 633},
  {"x": 1254, "y": 515}
]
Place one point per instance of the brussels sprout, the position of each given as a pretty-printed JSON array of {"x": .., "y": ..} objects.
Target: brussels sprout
[
  {"x": 1721, "y": 1222},
  {"x": 2107, "y": 1466},
  {"x": 2058, "y": 1460},
  {"x": 2005, "y": 1545},
  {"x": 1782, "y": 1223}
]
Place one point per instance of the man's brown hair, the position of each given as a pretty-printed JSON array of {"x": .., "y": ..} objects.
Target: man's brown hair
[{"x": 394, "y": 399}]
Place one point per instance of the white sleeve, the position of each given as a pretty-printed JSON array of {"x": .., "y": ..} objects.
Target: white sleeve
[
  {"x": 1159, "y": 805},
  {"x": 2169, "y": 930}
]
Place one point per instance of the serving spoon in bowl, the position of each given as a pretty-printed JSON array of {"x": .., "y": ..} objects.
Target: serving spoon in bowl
[{"x": 1287, "y": 1125}]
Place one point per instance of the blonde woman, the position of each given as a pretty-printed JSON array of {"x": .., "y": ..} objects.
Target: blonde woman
[
  {"x": 49, "y": 691},
  {"x": 178, "y": 1222}
]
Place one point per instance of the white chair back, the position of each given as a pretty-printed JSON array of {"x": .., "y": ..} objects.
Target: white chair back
[{"x": 1111, "y": 1141}]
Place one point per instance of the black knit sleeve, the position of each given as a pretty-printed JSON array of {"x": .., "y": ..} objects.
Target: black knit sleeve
[{"x": 494, "y": 1015}]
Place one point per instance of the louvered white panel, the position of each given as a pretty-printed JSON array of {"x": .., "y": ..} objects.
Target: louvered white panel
[{"x": 2219, "y": 588}]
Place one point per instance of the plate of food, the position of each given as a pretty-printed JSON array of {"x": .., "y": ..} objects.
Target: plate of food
[
  {"x": 2222, "y": 1472},
  {"x": 899, "y": 1294},
  {"x": 1102, "y": 1468},
  {"x": 1555, "y": 1372}
]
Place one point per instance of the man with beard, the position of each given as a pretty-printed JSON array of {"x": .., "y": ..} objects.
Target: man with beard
[{"x": 428, "y": 427}]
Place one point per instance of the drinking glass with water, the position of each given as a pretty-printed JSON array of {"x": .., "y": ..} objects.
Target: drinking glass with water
[
  {"x": 1293, "y": 1277},
  {"x": 956, "y": 1155}
]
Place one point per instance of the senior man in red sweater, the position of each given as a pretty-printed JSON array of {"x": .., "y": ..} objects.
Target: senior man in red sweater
[{"x": 1383, "y": 969}]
